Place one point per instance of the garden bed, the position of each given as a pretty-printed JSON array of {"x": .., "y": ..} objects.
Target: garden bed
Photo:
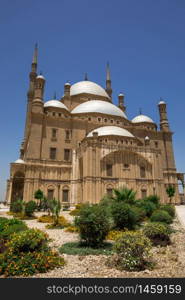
[{"x": 170, "y": 260}]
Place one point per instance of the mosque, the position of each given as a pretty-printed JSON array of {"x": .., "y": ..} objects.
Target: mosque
[{"x": 82, "y": 146}]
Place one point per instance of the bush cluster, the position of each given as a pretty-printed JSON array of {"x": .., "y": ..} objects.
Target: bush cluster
[
  {"x": 133, "y": 250},
  {"x": 114, "y": 234},
  {"x": 158, "y": 233},
  {"x": 161, "y": 216},
  {"x": 30, "y": 207},
  {"x": 93, "y": 225},
  {"x": 124, "y": 216},
  {"x": 76, "y": 211},
  {"x": 169, "y": 208},
  {"x": 22, "y": 209},
  {"x": 27, "y": 252}
]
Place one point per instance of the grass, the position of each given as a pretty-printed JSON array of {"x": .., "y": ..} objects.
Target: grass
[{"x": 77, "y": 248}]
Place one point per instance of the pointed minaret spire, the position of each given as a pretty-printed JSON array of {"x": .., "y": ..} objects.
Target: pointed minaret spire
[
  {"x": 86, "y": 77},
  {"x": 140, "y": 111},
  {"x": 108, "y": 81},
  {"x": 108, "y": 72},
  {"x": 35, "y": 54},
  {"x": 35, "y": 59},
  {"x": 55, "y": 95}
]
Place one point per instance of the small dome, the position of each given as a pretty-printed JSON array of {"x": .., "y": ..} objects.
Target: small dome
[
  {"x": 19, "y": 161},
  {"x": 67, "y": 83},
  {"x": 87, "y": 87},
  {"x": 40, "y": 77},
  {"x": 121, "y": 95},
  {"x": 141, "y": 119},
  {"x": 147, "y": 138},
  {"x": 98, "y": 106},
  {"x": 55, "y": 103},
  {"x": 111, "y": 130},
  {"x": 162, "y": 102}
]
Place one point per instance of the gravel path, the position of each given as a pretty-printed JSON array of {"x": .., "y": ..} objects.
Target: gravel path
[
  {"x": 180, "y": 211},
  {"x": 170, "y": 260}
]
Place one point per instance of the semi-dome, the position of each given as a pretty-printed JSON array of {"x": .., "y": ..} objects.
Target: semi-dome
[
  {"x": 98, "y": 106},
  {"x": 55, "y": 103},
  {"x": 19, "y": 161},
  {"x": 141, "y": 119},
  {"x": 87, "y": 87},
  {"x": 111, "y": 130}
]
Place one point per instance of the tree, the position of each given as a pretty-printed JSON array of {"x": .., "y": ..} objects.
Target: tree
[
  {"x": 124, "y": 194},
  {"x": 55, "y": 207},
  {"x": 39, "y": 195},
  {"x": 170, "y": 190}
]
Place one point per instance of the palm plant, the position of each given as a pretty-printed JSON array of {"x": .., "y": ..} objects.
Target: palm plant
[
  {"x": 124, "y": 195},
  {"x": 170, "y": 190},
  {"x": 55, "y": 208},
  {"x": 39, "y": 195}
]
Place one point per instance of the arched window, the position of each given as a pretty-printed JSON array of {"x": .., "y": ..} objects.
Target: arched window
[
  {"x": 65, "y": 194},
  {"x": 109, "y": 190},
  {"x": 67, "y": 134},
  {"x": 142, "y": 172},
  {"x": 17, "y": 186},
  {"x": 143, "y": 193},
  {"x": 109, "y": 169}
]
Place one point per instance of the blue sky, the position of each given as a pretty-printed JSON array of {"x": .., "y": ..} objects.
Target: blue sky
[{"x": 144, "y": 41}]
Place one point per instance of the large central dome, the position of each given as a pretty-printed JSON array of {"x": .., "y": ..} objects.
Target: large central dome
[
  {"x": 98, "y": 106},
  {"x": 87, "y": 87}
]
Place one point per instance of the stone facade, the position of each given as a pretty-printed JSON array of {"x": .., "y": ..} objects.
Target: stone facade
[{"x": 67, "y": 155}]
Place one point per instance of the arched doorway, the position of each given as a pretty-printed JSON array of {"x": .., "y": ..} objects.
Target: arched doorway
[{"x": 17, "y": 186}]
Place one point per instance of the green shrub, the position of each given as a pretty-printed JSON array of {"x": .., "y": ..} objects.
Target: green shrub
[
  {"x": 3, "y": 222},
  {"x": 148, "y": 206},
  {"x": 17, "y": 206},
  {"x": 124, "y": 195},
  {"x": 27, "y": 253},
  {"x": 10, "y": 229},
  {"x": 7, "y": 228},
  {"x": 30, "y": 207},
  {"x": 28, "y": 241},
  {"x": 93, "y": 225},
  {"x": 133, "y": 249},
  {"x": 124, "y": 216},
  {"x": 114, "y": 234},
  {"x": 158, "y": 233},
  {"x": 154, "y": 199},
  {"x": 161, "y": 216},
  {"x": 169, "y": 208},
  {"x": 77, "y": 248},
  {"x": 140, "y": 213},
  {"x": 76, "y": 211},
  {"x": 29, "y": 263}
]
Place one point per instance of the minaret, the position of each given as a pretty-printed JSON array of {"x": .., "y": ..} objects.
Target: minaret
[
  {"x": 164, "y": 125},
  {"x": 121, "y": 103},
  {"x": 108, "y": 81},
  {"x": 30, "y": 96},
  {"x": 37, "y": 104}
]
